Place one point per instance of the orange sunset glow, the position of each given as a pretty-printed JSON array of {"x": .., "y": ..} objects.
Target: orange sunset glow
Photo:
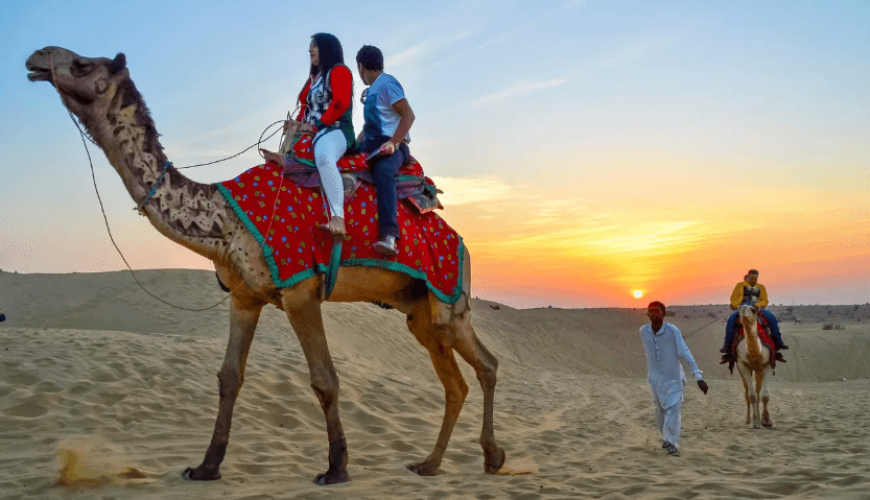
[{"x": 582, "y": 159}]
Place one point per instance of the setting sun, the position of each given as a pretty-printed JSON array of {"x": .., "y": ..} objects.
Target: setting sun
[{"x": 638, "y": 294}]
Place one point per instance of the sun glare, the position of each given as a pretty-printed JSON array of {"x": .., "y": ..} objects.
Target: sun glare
[{"x": 638, "y": 294}]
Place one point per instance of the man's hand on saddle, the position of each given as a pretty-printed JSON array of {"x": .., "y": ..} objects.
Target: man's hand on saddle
[
  {"x": 387, "y": 148},
  {"x": 703, "y": 386}
]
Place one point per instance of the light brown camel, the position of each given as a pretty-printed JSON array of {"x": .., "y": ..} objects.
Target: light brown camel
[
  {"x": 753, "y": 363},
  {"x": 101, "y": 94}
]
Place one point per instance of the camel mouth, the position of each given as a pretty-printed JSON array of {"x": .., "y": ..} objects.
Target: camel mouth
[
  {"x": 39, "y": 72},
  {"x": 41, "y": 75}
]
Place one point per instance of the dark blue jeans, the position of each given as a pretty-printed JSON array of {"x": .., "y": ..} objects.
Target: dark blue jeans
[
  {"x": 771, "y": 320},
  {"x": 384, "y": 169}
]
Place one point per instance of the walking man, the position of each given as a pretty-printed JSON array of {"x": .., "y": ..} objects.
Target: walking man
[{"x": 664, "y": 346}]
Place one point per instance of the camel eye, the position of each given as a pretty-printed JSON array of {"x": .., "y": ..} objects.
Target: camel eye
[{"x": 79, "y": 69}]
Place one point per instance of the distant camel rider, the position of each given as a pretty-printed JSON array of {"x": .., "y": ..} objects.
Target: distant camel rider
[{"x": 751, "y": 292}]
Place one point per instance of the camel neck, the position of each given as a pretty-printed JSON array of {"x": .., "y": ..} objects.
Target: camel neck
[{"x": 187, "y": 212}]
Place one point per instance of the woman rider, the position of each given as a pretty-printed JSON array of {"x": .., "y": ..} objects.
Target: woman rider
[{"x": 325, "y": 111}]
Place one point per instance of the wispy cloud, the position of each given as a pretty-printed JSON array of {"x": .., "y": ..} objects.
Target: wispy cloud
[
  {"x": 516, "y": 31},
  {"x": 518, "y": 89},
  {"x": 641, "y": 48},
  {"x": 468, "y": 190},
  {"x": 417, "y": 55}
]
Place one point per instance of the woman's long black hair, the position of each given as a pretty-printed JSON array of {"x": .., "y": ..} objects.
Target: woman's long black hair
[{"x": 330, "y": 53}]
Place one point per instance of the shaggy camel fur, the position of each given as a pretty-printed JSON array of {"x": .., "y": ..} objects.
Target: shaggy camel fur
[
  {"x": 753, "y": 363},
  {"x": 101, "y": 94}
]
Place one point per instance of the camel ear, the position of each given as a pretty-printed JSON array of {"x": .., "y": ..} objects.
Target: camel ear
[{"x": 119, "y": 63}]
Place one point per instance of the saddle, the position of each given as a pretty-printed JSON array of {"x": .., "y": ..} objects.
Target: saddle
[
  {"x": 411, "y": 183},
  {"x": 763, "y": 334}
]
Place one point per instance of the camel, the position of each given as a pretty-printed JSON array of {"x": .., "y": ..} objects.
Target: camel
[
  {"x": 101, "y": 94},
  {"x": 753, "y": 363}
]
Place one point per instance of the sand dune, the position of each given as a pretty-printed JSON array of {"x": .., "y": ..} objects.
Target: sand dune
[{"x": 91, "y": 367}]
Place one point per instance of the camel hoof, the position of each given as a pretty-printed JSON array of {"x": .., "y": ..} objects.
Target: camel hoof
[
  {"x": 756, "y": 427},
  {"x": 423, "y": 469},
  {"x": 199, "y": 475},
  {"x": 767, "y": 426},
  {"x": 491, "y": 466},
  {"x": 332, "y": 478}
]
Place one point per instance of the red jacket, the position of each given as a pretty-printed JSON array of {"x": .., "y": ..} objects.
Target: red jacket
[{"x": 341, "y": 86}]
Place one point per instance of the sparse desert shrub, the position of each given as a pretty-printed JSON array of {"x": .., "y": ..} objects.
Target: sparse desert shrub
[
  {"x": 671, "y": 313},
  {"x": 827, "y": 326}
]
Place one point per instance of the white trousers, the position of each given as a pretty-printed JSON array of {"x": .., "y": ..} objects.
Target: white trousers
[
  {"x": 328, "y": 148},
  {"x": 669, "y": 421}
]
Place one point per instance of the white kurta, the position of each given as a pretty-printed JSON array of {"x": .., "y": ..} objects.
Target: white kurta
[{"x": 666, "y": 376}]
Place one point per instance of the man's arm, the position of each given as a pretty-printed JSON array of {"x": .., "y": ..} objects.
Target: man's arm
[
  {"x": 737, "y": 296},
  {"x": 762, "y": 297},
  {"x": 404, "y": 110},
  {"x": 683, "y": 352}
]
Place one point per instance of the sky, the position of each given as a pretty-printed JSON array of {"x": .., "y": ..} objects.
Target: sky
[{"x": 586, "y": 149}]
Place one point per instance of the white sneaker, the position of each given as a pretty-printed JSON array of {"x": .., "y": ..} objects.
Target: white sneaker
[{"x": 386, "y": 246}]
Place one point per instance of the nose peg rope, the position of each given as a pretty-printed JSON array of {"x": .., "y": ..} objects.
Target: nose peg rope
[{"x": 140, "y": 207}]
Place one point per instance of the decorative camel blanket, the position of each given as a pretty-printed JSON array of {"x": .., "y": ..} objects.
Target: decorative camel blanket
[
  {"x": 286, "y": 214},
  {"x": 411, "y": 182},
  {"x": 762, "y": 334}
]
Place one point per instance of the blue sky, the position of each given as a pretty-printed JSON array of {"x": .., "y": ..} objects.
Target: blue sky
[{"x": 658, "y": 115}]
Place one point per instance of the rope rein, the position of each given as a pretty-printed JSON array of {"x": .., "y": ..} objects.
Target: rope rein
[
  {"x": 154, "y": 188},
  {"x": 699, "y": 329}
]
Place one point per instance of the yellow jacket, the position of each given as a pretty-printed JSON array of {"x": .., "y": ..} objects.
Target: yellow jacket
[{"x": 737, "y": 295}]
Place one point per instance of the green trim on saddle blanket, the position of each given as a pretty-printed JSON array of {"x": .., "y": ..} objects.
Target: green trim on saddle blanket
[{"x": 268, "y": 253}]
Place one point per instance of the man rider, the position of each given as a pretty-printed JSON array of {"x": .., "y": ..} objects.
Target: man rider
[{"x": 751, "y": 292}]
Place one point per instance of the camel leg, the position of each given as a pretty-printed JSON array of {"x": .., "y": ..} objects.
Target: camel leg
[
  {"x": 485, "y": 366},
  {"x": 764, "y": 396},
  {"x": 307, "y": 321},
  {"x": 746, "y": 395},
  {"x": 455, "y": 390},
  {"x": 244, "y": 315},
  {"x": 754, "y": 396}
]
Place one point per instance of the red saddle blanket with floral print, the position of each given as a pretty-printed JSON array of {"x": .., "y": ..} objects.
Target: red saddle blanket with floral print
[
  {"x": 411, "y": 183},
  {"x": 762, "y": 334},
  {"x": 283, "y": 217}
]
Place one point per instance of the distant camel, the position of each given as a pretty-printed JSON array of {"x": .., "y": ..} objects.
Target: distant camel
[
  {"x": 753, "y": 363},
  {"x": 100, "y": 92}
]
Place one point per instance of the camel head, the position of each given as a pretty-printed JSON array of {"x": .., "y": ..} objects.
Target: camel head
[
  {"x": 748, "y": 313},
  {"x": 87, "y": 86},
  {"x": 99, "y": 92}
]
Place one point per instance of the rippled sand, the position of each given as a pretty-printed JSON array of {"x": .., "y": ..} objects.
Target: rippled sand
[{"x": 105, "y": 392}]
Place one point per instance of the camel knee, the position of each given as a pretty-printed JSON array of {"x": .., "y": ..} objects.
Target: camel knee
[
  {"x": 230, "y": 381},
  {"x": 456, "y": 395},
  {"x": 326, "y": 390}
]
